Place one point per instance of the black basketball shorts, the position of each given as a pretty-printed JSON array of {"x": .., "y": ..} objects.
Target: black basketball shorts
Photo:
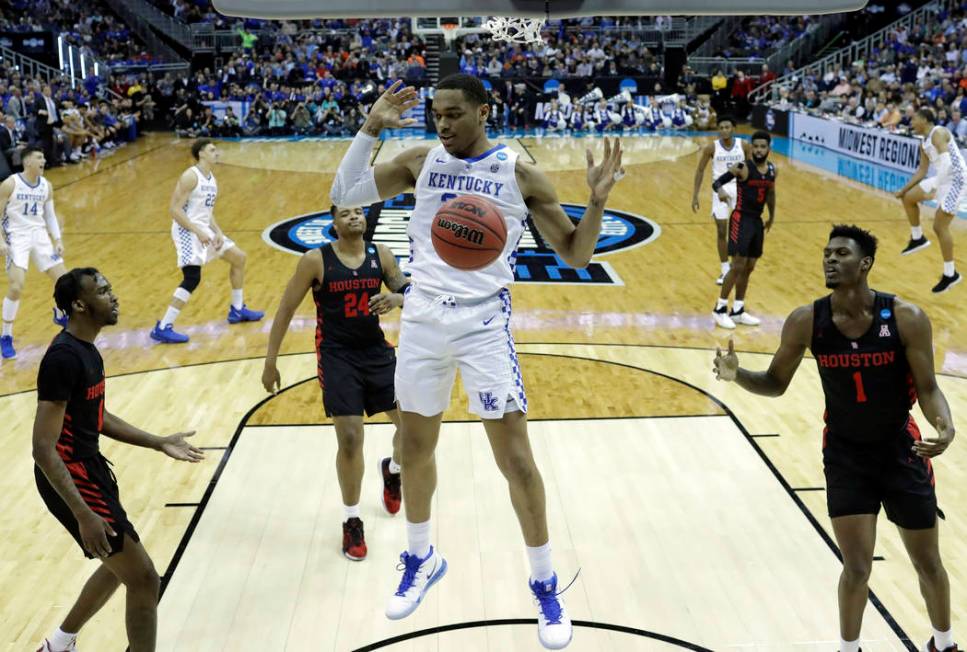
[
  {"x": 98, "y": 487},
  {"x": 746, "y": 235},
  {"x": 861, "y": 477},
  {"x": 354, "y": 381}
]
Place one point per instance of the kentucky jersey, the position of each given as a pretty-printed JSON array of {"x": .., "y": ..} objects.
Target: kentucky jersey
[
  {"x": 724, "y": 158},
  {"x": 491, "y": 175},
  {"x": 867, "y": 381},
  {"x": 25, "y": 208},
  {"x": 343, "y": 318},
  {"x": 201, "y": 200}
]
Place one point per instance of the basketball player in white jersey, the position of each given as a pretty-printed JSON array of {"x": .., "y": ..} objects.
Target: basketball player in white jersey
[
  {"x": 30, "y": 230},
  {"x": 461, "y": 319},
  {"x": 948, "y": 187},
  {"x": 199, "y": 240},
  {"x": 726, "y": 151}
]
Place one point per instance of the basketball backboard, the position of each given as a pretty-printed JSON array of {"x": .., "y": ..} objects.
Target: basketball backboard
[{"x": 524, "y": 8}]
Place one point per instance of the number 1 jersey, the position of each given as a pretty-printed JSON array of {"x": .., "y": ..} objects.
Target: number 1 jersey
[{"x": 867, "y": 381}]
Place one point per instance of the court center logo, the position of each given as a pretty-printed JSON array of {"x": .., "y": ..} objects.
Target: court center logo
[{"x": 536, "y": 262}]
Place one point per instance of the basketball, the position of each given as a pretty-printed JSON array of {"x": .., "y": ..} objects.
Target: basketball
[{"x": 468, "y": 232}]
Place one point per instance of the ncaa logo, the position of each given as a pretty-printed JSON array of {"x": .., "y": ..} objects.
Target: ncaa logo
[
  {"x": 534, "y": 261},
  {"x": 770, "y": 120}
]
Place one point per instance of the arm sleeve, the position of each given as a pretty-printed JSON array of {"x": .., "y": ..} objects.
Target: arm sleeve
[
  {"x": 355, "y": 182},
  {"x": 722, "y": 180},
  {"x": 59, "y": 372},
  {"x": 51, "y": 219}
]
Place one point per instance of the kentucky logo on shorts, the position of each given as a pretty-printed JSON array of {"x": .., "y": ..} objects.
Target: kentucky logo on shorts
[
  {"x": 536, "y": 262},
  {"x": 488, "y": 401}
]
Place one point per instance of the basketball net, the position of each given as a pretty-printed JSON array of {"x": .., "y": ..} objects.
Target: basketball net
[
  {"x": 516, "y": 30},
  {"x": 449, "y": 34}
]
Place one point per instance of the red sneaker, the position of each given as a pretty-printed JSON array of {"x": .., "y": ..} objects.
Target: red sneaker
[
  {"x": 353, "y": 540},
  {"x": 392, "y": 495}
]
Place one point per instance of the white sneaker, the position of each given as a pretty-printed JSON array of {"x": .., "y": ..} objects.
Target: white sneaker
[
  {"x": 553, "y": 624},
  {"x": 721, "y": 279},
  {"x": 46, "y": 647},
  {"x": 418, "y": 576},
  {"x": 722, "y": 319},
  {"x": 744, "y": 318}
]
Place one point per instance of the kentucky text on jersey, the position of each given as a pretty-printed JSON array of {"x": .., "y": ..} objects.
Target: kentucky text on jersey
[
  {"x": 464, "y": 183},
  {"x": 354, "y": 284},
  {"x": 28, "y": 196},
  {"x": 879, "y": 359}
]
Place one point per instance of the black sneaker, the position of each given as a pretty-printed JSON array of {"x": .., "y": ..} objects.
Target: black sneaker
[
  {"x": 915, "y": 245},
  {"x": 947, "y": 282}
]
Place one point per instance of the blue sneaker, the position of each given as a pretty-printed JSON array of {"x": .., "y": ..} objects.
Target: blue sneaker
[
  {"x": 6, "y": 347},
  {"x": 60, "y": 321},
  {"x": 167, "y": 335},
  {"x": 418, "y": 576},
  {"x": 236, "y": 316},
  {"x": 553, "y": 624}
]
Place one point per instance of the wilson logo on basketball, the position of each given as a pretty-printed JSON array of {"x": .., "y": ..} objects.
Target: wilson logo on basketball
[
  {"x": 535, "y": 261},
  {"x": 461, "y": 231}
]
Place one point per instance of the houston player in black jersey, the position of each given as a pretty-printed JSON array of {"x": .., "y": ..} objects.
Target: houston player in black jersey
[
  {"x": 875, "y": 359},
  {"x": 756, "y": 180},
  {"x": 74, "y": 479},
  {"x": 356, "y": 364}
]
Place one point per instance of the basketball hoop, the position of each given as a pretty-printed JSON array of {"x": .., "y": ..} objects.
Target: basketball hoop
[
  {"x": 516, "y": 30},
  {"x": 449, "y": 34}
]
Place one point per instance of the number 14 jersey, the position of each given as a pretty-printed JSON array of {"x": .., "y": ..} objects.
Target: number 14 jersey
[
  {"x": 25, "y": 208},
  {"x": 343, "y": 319},
  {"x": 867, "y": 381}
]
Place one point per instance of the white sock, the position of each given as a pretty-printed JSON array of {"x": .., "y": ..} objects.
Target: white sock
[
  {"x": 171, "y": 314},
  {"x": 737, "y": 305},
  {"x": 721, "y": 303},
  {"x": 726, "y": 266},
  {"x": 849, "y": 646},
  {"x": 943, "y": 640},
  {"x": 352, "y": 511},
  {"x": 540, "y": 559},
  {"x": 418, "y": 538},
  {"x": 916, "y": 232},
  {"x": 948, "y": 269},
  {"x": 9, "y": 314},
  {"x": 61, "y": 640},
  {"x": 237, "y": 301},
  {"x": 393, "y": 466}
]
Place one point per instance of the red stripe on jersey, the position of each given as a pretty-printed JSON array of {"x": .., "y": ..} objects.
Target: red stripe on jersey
[
  {"x": 734, "y": 225},
  {"x": 319, "y": 340},
  {"x": 914, "y": 431}
]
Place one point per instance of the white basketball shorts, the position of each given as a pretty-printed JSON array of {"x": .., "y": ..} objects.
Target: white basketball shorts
[
  {"x": 36, "y": 244},
  {"x": 191, "y": 251},
  {"x": 949, "y": 192},
  {"x": 723, "y": 210},
  {"x": 438, "y": 335}
]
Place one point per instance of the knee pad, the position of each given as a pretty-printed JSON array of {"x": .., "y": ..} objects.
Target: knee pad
[{"x": 192, "y": 278}]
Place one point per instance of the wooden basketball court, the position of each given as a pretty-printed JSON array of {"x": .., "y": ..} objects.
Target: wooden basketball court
[{"x": 694, "y": 511}]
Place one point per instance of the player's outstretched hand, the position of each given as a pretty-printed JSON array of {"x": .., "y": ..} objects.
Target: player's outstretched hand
[
  {"x": 385, "y": 302},
  {"x": 387, "y": 112},
  {"x": 602, "y": 177},
  {"x": 726, "y": 364},
  {"x": 934, "y": 447},
  {"x": 94, "y": 532},
  {"x": 176, "y": 447}
]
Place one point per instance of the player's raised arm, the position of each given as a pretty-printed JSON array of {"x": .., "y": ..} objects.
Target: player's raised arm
[
  {"x": 574, "y": 244},
  {"x": 308, "y": 271},
  {"x": 357, "y": 183},
  {"x": 917, "y": 336},
  {"x": 707, "y": 152},
  {"x": 796, "y": 333}
]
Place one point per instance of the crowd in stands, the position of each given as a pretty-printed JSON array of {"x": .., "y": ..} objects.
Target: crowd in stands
[
  {"x": 87, "y": 24},
  {"x": 760, "y": 36},
  {"x": 924, "y": 66}
]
